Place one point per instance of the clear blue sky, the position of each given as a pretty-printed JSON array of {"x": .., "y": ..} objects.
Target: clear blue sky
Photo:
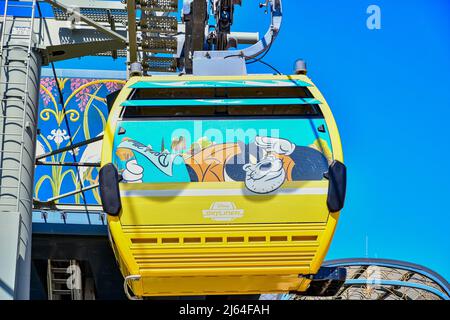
[{"x": 389, "y": 90}]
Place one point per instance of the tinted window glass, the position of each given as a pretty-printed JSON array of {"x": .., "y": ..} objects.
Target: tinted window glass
[
  {"x": 205, "y": 111},
  {"x": 208, "y": 93}
]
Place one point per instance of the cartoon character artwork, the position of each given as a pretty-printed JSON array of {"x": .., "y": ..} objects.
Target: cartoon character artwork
[
  {"x": 264, "y": 165},
  {"x": 265, "y": 176},
  {"x": 269, "y": 173}
]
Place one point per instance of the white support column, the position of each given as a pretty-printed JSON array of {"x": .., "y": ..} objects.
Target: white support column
[{"x": 19, "y": 88}]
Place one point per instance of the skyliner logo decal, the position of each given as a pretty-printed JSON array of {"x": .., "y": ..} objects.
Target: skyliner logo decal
[{"x": 223, "y": 211}]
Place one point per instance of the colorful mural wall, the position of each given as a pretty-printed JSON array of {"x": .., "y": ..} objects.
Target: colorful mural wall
[{"x": 86, "y": 111}]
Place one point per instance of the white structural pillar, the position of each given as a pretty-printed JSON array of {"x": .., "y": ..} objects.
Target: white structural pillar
[
  {"x": 19, "y": 89},
  {"x": 20, "y": 64}
]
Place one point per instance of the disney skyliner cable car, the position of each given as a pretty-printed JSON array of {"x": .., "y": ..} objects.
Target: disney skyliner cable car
[{"x": 223, "y": 183}]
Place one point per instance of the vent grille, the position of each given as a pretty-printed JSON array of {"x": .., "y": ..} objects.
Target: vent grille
[
  {"x": 171, "y": 249},
  {"x": 225, "y": 240},
  {"x": 222, "y": 260}
]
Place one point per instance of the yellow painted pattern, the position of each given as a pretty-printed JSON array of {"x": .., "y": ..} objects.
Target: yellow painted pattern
[{"x": 249, "y": 208}]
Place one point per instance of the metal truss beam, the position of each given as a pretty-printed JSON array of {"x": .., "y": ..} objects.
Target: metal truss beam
[
  {"x": 51, "y": 201},
  {"x": 396, "y": 283},
  {"x": 71, "y": 147},
  {"x": 72, "y": 208},
  {"x": 69, "y": 164},
  {"x": 388, "y": 292},
  {"x": 91, "y": 4},
  {"x": 356, "y": 275},
  {"x": 132, "y": 31},
  {"x": 58, "y": 41},
  {"x": 195, "y": 32},
  {"x": 71, "y": 193},
  {"x": 110, "y": 33},
  {"x": 76, "y": 50},
  {"x": 411, "y": 268}
]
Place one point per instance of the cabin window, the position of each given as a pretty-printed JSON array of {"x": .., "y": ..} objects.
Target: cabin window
[
  {"x": 262, "y": 152},
  {"x": 308, "y": 110},
  {"x": 221, "y": 93}
]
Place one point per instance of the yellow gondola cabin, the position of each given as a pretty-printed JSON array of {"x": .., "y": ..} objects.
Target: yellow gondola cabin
[{"x": 221, "y": 185}]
